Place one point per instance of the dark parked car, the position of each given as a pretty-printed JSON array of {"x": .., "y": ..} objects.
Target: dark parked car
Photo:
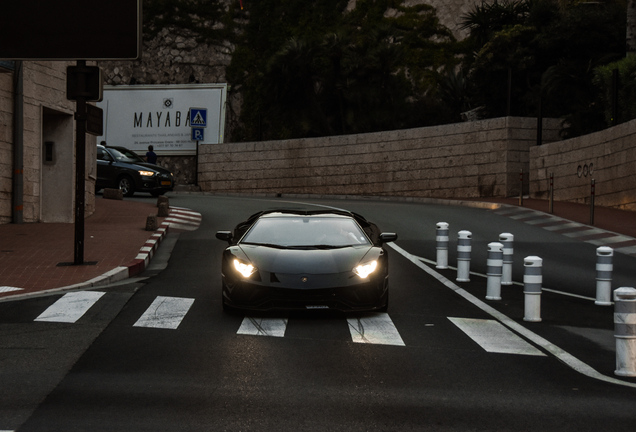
[
  {"x": 290, "y": 259},
  {"x": 120, "y": 168}
]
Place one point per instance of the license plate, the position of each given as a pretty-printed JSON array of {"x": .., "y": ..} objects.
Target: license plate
[
  {"x": 317, "y": 307},
  {"x": 165, "y": 183}
]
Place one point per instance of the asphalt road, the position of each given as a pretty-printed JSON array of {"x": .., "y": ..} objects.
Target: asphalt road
[{"x": 433, "y": 367}]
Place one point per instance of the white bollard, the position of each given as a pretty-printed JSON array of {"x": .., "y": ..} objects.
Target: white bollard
[
  {"x": 463, "y": 256},
  {"x": 625, "y": 331},
  {"x": 494, "y": 265},
  {"x": 506, "y": 239},
  {"x": 604, "y": 268},
  {"x": 532, "y": 281},
  {"x": 442, "y": 245}
]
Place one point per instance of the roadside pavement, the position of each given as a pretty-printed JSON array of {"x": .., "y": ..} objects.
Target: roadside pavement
[{"x": 36, "y": 257}]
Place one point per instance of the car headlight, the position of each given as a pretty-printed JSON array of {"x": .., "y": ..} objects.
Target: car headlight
[
  {"x": 146, "y": 173},
  {"x": 364, "y": 270},
  {"x": 246, "y": 270}
]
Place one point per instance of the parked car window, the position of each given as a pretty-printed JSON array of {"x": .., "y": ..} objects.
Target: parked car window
[
  {"x": 103, "y": 155},
  {"x": 125, "y": 156}
]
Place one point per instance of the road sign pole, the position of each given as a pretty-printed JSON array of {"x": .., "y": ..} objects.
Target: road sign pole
[
  {"x": 198, "y": 121},
  {"x": 196, "y": 166},
  {"x": 80, "y": 168}
]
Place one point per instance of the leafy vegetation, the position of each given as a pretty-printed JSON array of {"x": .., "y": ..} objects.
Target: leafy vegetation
[
  {"x": 626, "y": 102},
  {"x": 321, "y": 70},
  {"x": 304, "y": 68},
  {"x": 550, "y": 50}
]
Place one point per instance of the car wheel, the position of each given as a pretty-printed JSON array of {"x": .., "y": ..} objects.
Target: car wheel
[{"x": 126, "y": 185}]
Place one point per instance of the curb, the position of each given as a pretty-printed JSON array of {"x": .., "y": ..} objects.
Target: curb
[{"x": 147, "y": 251}]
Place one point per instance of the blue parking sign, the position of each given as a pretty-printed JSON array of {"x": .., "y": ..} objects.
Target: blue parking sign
[
  {"x": 197, "y": 134},
  {"x": 198, "y": 117}
]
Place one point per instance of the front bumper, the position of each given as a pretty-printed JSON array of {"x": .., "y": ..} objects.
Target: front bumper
[
  {"x": 367, "y": 296},
  {"x": 160, "y": 182}
]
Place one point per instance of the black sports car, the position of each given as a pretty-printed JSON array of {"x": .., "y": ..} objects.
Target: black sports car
[
  {"x": 290, "y": 259},
  {"x": 120, "y": 168}
]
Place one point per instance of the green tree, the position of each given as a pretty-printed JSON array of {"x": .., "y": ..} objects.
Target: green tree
[
  {"x": 603, "y": 78},
  {"x": 208, "y": 20},
  {"x": 551, "y": 52},
  {"x": 358, "y": 71}
]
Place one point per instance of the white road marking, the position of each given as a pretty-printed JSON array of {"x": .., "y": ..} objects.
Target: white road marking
[
  {"x": 374, "y": 329},
  {"x": 263, "y": 327},
  {"x": 186, "y": 216},
  {"x": 184, "y": 227},
  {"x": 562, "y": 355},
  {"x": 70, "y": 307},
  {"x": 165, "y": 313},
  {"x": 4, "y": 289},
  {"x": 494, "y": 337}
]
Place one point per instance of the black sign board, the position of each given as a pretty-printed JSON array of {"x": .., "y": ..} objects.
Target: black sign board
[
  {"x": 84, "y": 81},
  {"x": 94, "y": 120},
  {"x": 70, "y": 29}
]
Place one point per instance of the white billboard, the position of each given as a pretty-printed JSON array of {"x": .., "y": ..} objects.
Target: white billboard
[{"x": 141, "y": 115}]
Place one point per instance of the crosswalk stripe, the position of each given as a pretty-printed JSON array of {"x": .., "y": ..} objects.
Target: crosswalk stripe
[
  {"x": 70, "y": 307},
  {"x": 165, "y": 313},
  {"x": 374, "y": 329},
  {"x": 263, "y": 327},
  {"x": 494, "y": 337}
]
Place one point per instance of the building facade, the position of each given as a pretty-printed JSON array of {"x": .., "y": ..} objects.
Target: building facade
[{"x": 37, "y": 145}]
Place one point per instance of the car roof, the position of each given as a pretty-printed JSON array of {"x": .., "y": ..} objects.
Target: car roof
[
  {"x": 304, "y": 213},
  {"x": 276, "y": 214}
]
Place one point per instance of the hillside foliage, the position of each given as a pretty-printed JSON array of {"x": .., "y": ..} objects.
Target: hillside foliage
[{"x": 303, "y": 68}]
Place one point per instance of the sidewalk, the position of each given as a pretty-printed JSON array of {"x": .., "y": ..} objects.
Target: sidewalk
[{"x": 114, "y": 236}]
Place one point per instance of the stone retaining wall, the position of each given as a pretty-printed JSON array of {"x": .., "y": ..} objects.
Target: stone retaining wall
[
  {"x": 608, "y": 157},
  {"x": 477, "y": 159}
]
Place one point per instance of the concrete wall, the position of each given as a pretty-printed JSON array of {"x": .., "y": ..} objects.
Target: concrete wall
[
  {"x": 477, "y": 159},
  {"x": 608, "y": 157},
  {"x": 44, "y": 92}
]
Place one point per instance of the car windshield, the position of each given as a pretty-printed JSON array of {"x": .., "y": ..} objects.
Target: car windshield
[
  {"x": 313, "y": 231},
  {"x": 124, "y": 155}
]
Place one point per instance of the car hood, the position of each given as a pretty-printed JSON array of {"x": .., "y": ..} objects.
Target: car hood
[{"x": 305, "y": 261}]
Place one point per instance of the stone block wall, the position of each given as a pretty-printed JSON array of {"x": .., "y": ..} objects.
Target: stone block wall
[
  {"x": 477, "y": 159},
  {"x": 608, "y": 157}
]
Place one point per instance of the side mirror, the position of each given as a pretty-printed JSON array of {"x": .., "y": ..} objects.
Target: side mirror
[
  {"x": 224, "y": 235},
  {"x": 388, "y": 237}
]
